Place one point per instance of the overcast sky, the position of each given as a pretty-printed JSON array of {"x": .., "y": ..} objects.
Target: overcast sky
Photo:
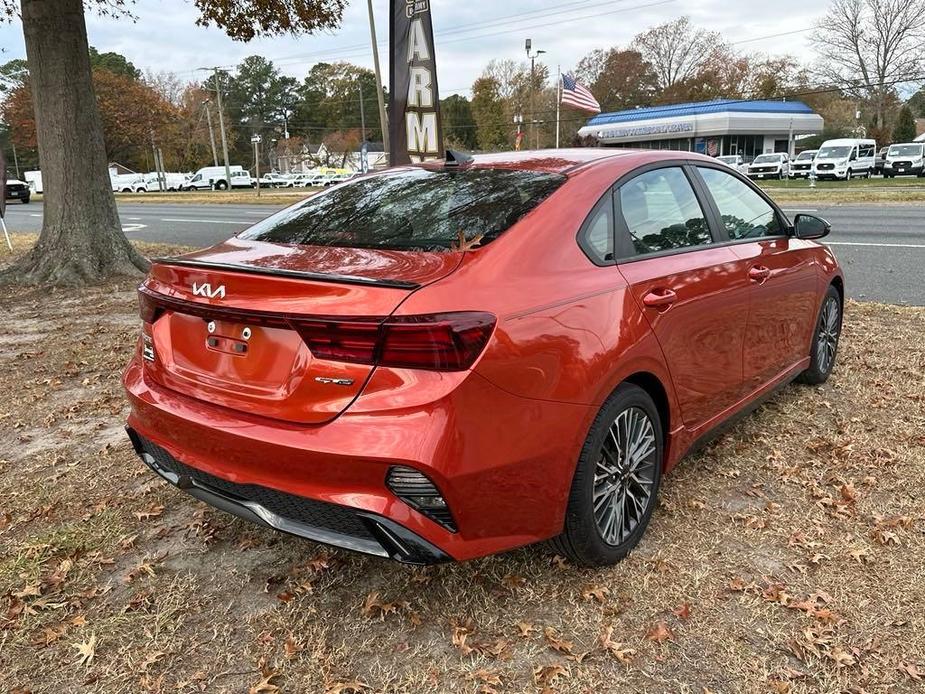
[{"x": 164, "y": 35}]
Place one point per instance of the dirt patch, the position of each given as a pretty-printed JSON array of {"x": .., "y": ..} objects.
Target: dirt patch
[{"x": 788, "y": 557}]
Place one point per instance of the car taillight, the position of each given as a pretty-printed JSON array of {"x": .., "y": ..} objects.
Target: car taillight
[
  {"x": 148, "y": 307},
  {"x": 437, "y": 342}
]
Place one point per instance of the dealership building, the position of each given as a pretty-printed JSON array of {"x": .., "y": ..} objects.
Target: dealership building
[{"x": 718, "y": 128}]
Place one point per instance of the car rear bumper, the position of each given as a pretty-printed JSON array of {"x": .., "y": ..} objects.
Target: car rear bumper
[
  {"x": 503, "y": 464},
  {"x": 339, "y": 526}
]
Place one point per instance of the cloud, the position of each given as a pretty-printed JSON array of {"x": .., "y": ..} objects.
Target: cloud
[{"x": 164, "y": 35}]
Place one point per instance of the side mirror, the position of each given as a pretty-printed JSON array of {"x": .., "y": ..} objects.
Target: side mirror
[{"x": 808, "y": 226}]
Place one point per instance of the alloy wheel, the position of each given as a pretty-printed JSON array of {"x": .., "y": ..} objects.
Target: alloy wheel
[
  {"x": 624, "y": 476},
  {"x": 827, "y": 338}
]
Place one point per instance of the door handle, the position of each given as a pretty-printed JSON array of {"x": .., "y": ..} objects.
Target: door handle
[
  {"x": 659, "y": 298},
  {"x": 759, "y": 273}
]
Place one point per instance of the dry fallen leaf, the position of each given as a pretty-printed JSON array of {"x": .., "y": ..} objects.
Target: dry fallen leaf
[
  {"x": 549, "y": 674},
  {"x": 597, "y": 592},
  {"x": 265, "y": 685},
  {"x": 153, "y": 512},
  {"x": 557, "y": 643},
  {"x": 615, "y": 648},
  {"x": 86, "y": 650},
  {"x": 659, "y": 633}
]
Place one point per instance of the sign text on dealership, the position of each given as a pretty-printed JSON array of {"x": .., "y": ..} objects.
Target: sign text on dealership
[{"x": 643, "y": 130}]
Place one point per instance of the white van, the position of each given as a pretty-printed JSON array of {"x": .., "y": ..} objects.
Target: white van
[
  {"x": 128, "y": 183},
  {"x": 905, "y": 160},
  {"x": 845, "y": 158},
  {"x": 173, "y": 181},
  {"x": 34, "y": 179},
  {"x": 210, "y": 177}
]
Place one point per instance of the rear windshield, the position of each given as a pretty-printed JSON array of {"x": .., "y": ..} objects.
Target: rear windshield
[{"x": 416, "y": 209}]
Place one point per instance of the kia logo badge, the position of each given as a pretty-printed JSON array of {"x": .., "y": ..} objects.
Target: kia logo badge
[{"x": 205, "y": 289}]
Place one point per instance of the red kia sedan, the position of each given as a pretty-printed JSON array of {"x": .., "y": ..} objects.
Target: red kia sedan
[{"x": 447, "y": 360}]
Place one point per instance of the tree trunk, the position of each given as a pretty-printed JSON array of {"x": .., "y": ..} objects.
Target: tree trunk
[{"x": 81, "y": 239}]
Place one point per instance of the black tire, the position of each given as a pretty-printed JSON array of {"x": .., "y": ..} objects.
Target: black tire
[
  {"x": 821, "y": 365},
  {"x": 582, "y": 540},
  {"x": 221, "y": 185},
  {"x": 25, "y": 201}
]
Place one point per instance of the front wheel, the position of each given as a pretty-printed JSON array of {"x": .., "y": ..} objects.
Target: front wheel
[
  {"x": 25, "y": 201},
  {"x": 616, "y": 481},
  {"x": 824, "y": 347}
]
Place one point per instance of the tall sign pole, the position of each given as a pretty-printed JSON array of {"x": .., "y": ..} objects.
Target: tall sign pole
[
  {"x": 415, "y": 131},
  {"x": 380, "y": 97}
]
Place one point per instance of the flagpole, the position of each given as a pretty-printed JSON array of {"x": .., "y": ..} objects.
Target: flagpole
[{"x": 558, "y": 99}]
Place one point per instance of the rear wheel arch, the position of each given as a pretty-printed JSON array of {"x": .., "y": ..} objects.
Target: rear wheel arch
[
  {"x": 653, "y": 386},
  {"x": 839, "y": 285}
]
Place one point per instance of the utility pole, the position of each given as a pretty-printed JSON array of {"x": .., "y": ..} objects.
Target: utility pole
[
  {"x": 221, "y": 123},
  {"x": 383, "y": 121},
  {"x": 256, "y": 140},
  {"x": 528, "y": 44},
  {"x": 162, "y": 175},
  {"x": 211, "y": 132},
  {"x": 157, "y": 166},
  {"x": 15, "y": 158},
  {"x": 362, "y": 113}
]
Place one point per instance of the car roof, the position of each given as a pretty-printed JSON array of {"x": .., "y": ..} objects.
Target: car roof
[{"x": 569, "y": 160}]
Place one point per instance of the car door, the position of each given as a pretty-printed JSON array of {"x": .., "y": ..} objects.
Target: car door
[
  {"x": 693, "y": 292},
  {"x": 781, "y": 272}
]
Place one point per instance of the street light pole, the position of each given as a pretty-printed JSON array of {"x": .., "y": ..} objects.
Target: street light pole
[
  {"x": 362, "y": 113},
  {"x": 383, "y": 121},
  {"x": 528, "y": 44},
  {"x": 256, "y": 140}
]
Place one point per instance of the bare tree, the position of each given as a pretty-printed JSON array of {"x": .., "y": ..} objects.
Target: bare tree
[
  {"x": 868, "y": 47},
  {"x": 677, "y": 50}
]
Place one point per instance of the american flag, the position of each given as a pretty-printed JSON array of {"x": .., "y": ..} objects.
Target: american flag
[{"x": 577, "y": 95}]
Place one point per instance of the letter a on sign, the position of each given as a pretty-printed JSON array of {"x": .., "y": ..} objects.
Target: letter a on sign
[{"x": 415, "y": 129}]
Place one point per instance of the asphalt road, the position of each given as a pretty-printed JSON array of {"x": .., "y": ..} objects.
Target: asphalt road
[{"x": 882, "y": 247}]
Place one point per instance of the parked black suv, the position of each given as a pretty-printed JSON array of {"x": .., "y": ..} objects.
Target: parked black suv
[{"x": 17, "y": 190}]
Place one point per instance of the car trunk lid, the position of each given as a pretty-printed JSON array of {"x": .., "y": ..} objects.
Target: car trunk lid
[{"x": 223, "y": 324}]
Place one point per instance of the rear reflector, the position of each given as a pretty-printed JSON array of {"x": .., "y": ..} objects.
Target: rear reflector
[
  {"x": 435, "y": 342},
  {"x": 416, "y": 490}
]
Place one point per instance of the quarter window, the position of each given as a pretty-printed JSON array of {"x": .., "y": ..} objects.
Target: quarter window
[
  {"x": 597, "y": 234},
  {"x": 661, "y": 212},
  {"x": 744, "y": 212}
]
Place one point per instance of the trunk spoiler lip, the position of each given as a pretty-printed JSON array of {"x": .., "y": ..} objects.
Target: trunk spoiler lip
[{"x": 296, "y": 274}]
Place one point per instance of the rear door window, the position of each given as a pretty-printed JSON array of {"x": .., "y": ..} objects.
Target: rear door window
[
  {"x": 744, "y": 212},
  {"x": 412, "y": 209},
  {"x": 660, "y": 212}
]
